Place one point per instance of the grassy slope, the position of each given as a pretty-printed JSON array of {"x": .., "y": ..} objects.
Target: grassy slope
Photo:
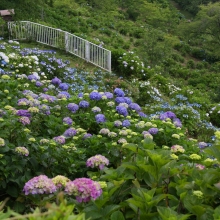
[{"x": 110, "y": 25}]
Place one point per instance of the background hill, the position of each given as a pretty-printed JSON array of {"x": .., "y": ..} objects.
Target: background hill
[{"x": 177, "y": 42}]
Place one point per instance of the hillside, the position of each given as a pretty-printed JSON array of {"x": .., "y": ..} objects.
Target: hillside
[{"x": 141, "y": 142}]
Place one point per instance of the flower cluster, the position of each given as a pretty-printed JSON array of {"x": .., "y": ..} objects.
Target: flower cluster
[
  {"x": 39, "y": 185},
  {"x": 22, "y": 151},
  {"x": 60, "y": 181},
  {"x": 84, "y": 189},
  {"x": 97, "y": 161},
  {"x": 177, "y": 148}
]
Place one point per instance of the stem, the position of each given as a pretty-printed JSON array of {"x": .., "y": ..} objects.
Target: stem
[{"x": 3, "y": 203}]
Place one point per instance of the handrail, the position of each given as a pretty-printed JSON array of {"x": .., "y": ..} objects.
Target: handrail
[{"x": 57, "y": 38}]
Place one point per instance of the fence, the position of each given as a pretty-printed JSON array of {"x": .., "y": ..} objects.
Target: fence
[{"x": 61, "y": 39}]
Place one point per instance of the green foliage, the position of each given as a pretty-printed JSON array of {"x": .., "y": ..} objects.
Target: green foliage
[{"x": 130, "y": 65}]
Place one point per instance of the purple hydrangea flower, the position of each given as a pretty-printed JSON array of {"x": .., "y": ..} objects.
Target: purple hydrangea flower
[
  {"x": 39, "y": 185},
  {"x": 80, "y": 95},
  {"x": 97, "y": 161},
  {"x": 141, "y": 114},
  {"x": 126, "y": 123},
  {"x": 63, "y": 94},
  {"x": 73, "y": 107},
  {"x": 59, "y": 139},
  {"x": 87, "y": 135},
  {"x": 170, "y": 115},
  {"x": 23, "y": 101},
  {"x": 177, "y": 122},
  {"x": 135, "y": 106},
  {"x": 120, "y": 100},
  {"x": 122, "y": 110},
  {"x": 202, "y": 145},
  {"x": 63, "y": 86},
  {"x": 109, "y": 95},
  {"x": 166, "y": 115},
  {"x": 45, "y": 89},
  {"x": 95, "y": 96},
  {"x": 38, "y": 84},
  {"x": 33, "y": 77},
  {"x": 153, "y": 130},
  {"x": 119, "y": 93},
  {"x": 83, "y": 104},
  {"x": 100, "y": 118},
  {"x": 25, "y": 120},
  {"x": 47, "y": 97},
  {"x": 70, "y": 132},
  {"x": 127, "y": 100},
  {"x": 23, "y": 112},
  {"x": 67, "y": 120},
  {"x": 45, "y": 109},
  {"x": 84, "y": 189},
  {"x": 56, "y": 81}
]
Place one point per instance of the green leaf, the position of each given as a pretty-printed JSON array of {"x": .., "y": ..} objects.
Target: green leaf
[
  {"x": 131, "y": 147},
  {"x": 130, "y": 166},
  {"x": 12, "y": 191},
  {"x": 216, "y": 214},
  {"x": 148, "y": 144},
  {"x": 109, "y": 209},
  {"x": 117, "y": 216}
]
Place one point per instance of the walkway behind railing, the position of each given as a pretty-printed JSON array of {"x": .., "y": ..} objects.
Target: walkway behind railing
[{"x": 57, "y": 38}]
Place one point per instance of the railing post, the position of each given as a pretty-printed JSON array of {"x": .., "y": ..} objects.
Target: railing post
[
  {"x": 109, "y": 61},
  {"x": 66, "y": 41},
  {"x": 87, "y": 52}
]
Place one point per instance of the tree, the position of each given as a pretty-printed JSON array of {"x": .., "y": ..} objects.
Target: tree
[{"x": 206, "y": 27}]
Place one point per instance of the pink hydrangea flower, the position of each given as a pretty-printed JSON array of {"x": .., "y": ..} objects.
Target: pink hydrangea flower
[{"x": 84, "y": 189}]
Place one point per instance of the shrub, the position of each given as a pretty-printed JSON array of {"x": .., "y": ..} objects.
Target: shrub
[
  {"x": 130, "y": 64},
  {"x": 190, "y": 64}
]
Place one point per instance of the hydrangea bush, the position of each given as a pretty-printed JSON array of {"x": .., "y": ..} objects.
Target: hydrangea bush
[{"x": 55, "y": 135}]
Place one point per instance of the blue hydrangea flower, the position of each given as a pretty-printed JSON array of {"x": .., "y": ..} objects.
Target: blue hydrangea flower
[
  {"x": 73, "y": 107},
  {"x": 38, "y": 84},
  {"x": 33, "y": 77},
  {"x": 109, "y": 95},
  {"x": 141, "y": 114},
  {"x": 122, "y": 110},
  {"x": 70, "y": 132},
  {"x": 56, "y": 81},
  {"x": 120, "y": 100},
  {"x": 80, "y": 95},
  {"x": 95, "y": 96},
  {"x": 83, "y": 104},
  {"x": 126, "y": 123},
  {"x": 153, "y": 130},
  {"x": 100, "y": 118},
  {"x": 87, "y": 135},
  {"x": 67, "y": 120},
  {"x": 127, "y": 100},
  {"x": 64, "y": 86},
  {"x": 135, "y": 106},
  {"x": 119, "y": 93},
  {"x": 23, "y": 112},
  {"x": 63, "y": 94}
]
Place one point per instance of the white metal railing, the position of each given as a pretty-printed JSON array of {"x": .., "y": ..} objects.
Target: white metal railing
[{"x": 57, "y": 38}]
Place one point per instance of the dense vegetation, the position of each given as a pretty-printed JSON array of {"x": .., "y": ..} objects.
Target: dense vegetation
[{"x": 158, "y": 159}]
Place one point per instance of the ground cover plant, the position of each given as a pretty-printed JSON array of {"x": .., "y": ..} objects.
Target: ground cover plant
[{"x": 84, "y": 145}]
